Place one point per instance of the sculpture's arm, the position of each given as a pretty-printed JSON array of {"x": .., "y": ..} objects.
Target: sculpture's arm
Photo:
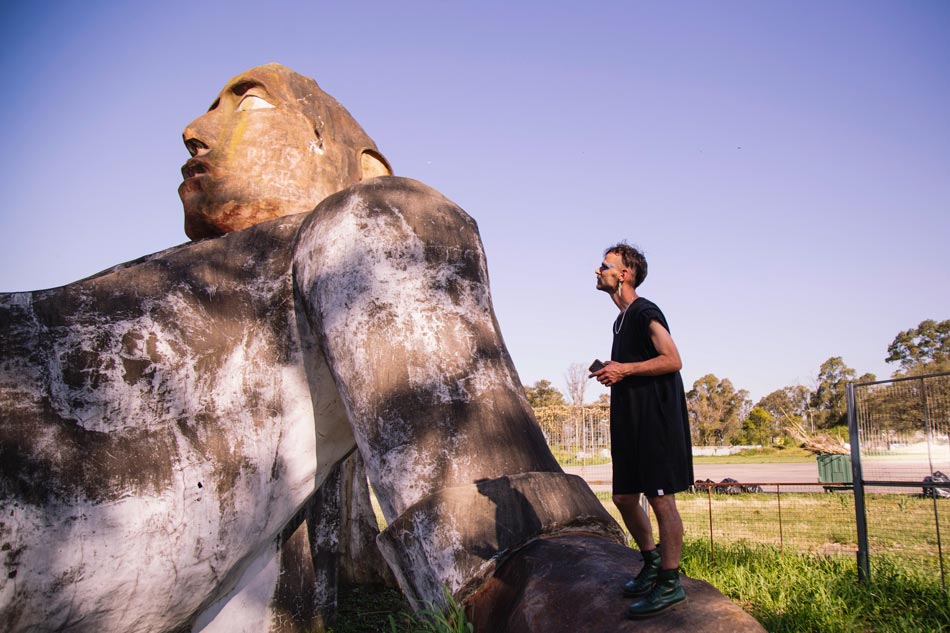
[{"x": 392, "y": 277}]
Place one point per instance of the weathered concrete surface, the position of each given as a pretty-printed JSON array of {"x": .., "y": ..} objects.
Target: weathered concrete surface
[
  {"x": 396, "y": 286},
  {"x": 573, "y": 583},
  {"x": 157, "y": 434},
  {"x": 342, "y": 534},
  {"x": 455, "y": 536}
]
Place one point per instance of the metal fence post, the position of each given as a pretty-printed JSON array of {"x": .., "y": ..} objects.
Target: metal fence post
[
  {"x": 860, "y": 512},
  {"x": 930, "y": 433},
  {"x": 781, "y": 537},
  {"x": 712, "y": 547}
]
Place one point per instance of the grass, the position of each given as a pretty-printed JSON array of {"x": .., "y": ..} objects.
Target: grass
[
  {"x": 368, "y": 609},
  {"x": 815, "y": 522},
  {"x": 568, "y": 457},
  {"x": 766, "y": 455},
  {"x": 815, "y": 592},
  {"x": 375, "y": 609}
]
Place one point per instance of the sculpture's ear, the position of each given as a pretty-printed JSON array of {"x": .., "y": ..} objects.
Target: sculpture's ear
[{"x": 373, "y": 164}]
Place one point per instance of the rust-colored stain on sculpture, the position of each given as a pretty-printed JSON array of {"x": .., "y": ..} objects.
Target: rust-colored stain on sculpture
[{"x": 183, "y": 436}]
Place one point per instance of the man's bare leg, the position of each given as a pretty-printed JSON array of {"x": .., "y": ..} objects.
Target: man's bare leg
[
  {"x": 671, "y": 529},
  {"x": 666, "y": 590},
  {"x": 636, "y": 520}
]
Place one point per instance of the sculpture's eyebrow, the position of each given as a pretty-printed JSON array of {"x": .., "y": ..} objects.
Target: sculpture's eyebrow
[{"x": 240, "y": 88}]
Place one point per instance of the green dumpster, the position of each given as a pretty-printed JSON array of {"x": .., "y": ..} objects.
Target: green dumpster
[{"x": 834, "y": 469}]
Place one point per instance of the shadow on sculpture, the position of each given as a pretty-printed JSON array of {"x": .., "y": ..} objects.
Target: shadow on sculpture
[
  {"x": 514, "y": 517},
  {"x": 183, "y": 436}
]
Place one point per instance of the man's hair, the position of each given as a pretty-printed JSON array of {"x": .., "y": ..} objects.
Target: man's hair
[{"x": 632, "y": 259}]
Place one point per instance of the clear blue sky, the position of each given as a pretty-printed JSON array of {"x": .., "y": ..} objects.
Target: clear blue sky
[{"x": 785, "y": 165}]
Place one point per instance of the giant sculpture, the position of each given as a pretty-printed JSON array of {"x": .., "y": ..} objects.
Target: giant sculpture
[{"x": 171, "y": 426}]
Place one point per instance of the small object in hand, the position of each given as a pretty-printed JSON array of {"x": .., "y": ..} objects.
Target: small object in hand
[{"x": 596, "y": 366}]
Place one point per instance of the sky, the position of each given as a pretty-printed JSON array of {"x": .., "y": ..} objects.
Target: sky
[{"x": 784, "y": 165}]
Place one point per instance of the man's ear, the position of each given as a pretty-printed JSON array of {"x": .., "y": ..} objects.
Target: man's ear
[{"x": 373, "y": 164}]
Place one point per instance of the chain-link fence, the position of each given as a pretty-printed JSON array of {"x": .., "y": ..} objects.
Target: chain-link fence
[
  {"x": 903, "y": 428},
  {"x": 902, "y": 439},
  {"x": 800, "y": 517},
  {"x": 900, "y": 449},
  {"x": 578, "y": 436}
]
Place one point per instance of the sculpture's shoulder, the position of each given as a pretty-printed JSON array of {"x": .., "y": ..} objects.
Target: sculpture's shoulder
[
  {"x": 229, "y": 274},
  {"x": 397, "y": 206},
  {"x": 261, "y": 248}
]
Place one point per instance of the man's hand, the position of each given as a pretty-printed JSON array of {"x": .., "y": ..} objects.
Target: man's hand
[{"x": 612, "y": 373}]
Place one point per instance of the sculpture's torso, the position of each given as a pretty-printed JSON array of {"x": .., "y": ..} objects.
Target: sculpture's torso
[{"x": 167, "y": 397}]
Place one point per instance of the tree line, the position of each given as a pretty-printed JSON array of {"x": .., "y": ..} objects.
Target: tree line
[{"x": 720, "y": 414}]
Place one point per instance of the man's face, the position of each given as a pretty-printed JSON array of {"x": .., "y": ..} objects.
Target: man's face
[
  {"x": 255, "y": 157},
  {"x": 609, "y": 273}
]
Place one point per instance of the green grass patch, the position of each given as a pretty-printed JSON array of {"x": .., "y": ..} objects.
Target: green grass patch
[
  {"x": 788, "y": 591},
  {"x": 765, "y": 455},
  {"x": 376, "y": 609},
  {"x": 368, "y": 609},
  {"x": 814, "y": 523},
  {"x": 569, "y": 457}
]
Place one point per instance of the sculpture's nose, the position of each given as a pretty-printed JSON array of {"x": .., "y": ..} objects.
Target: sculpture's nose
[
  {"x": 197, "y": 139},
  {"x": 195, "y": 146}
]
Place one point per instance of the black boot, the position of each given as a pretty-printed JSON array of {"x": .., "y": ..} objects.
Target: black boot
[
  {"x": 643, "y": 583},
  {"x": 666, "y": 592}
]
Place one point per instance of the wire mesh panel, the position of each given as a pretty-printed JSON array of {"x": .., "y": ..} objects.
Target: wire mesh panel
[
  {"x": 796, "y": 517},
  {"x": 904, "y": 428},
  {"x": 579, "y": 437},
  {"x": 906, "y": 525},
  {"x": 902, "y": 431}
]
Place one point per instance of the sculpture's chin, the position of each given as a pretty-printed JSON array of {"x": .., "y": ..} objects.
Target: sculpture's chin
[
  {"x": 197, "y": 229},
  {"x": 196, "y": 218},
  {"x": 211, "y": 220}
]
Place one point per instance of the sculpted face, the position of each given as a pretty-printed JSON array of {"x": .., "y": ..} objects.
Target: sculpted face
[{"x": 272, "y": 144}]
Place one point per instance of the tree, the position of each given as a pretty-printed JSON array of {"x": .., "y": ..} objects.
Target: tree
[
  {"x": 758, "y": 428},
  {"x": 603, "y": 400},
  {"x": 921, "y": 350},
  {"x": 788, "y": 406},
  {"x": 543, "y": 394},
  {"x": 828, "y": 400},
  {"x": 715, "y": 410},
  {"x": 576, "y": 377}
]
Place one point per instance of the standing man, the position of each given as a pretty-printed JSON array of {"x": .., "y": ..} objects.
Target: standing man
[{"x": 649, "y": 430}]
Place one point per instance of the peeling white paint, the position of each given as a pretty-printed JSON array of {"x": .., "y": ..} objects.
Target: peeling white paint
[
  {"x": 147, "y": 559},
  {"x": 246, "y": 608}
]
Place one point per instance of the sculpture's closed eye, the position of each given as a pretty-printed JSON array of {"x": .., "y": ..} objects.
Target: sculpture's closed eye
[{"x": 253, "y": 102}]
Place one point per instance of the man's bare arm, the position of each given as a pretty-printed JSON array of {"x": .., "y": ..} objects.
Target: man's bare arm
[{"x": 666, "y": 362}]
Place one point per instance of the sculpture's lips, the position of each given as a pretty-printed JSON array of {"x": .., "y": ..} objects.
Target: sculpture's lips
[{"x": 193, "y": 168}]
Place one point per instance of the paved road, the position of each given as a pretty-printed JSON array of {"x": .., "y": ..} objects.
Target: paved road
[
  {"x": 599, "y": 477},
  {"x": 746, "y": 473}
]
